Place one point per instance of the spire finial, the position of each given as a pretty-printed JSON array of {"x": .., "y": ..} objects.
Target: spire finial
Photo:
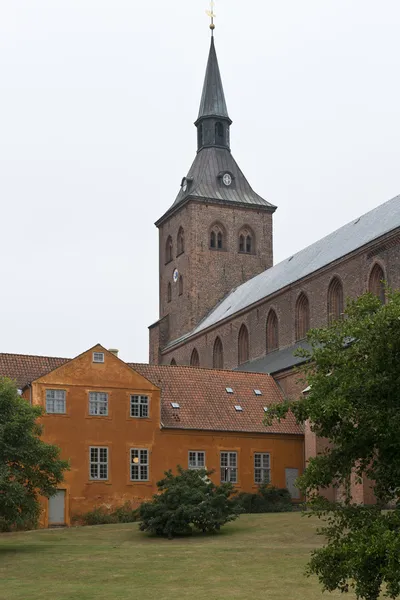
[{"x": 212, "y": 16}]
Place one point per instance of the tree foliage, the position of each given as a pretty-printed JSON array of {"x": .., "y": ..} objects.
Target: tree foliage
[
  {"x": 353, "y": 371},
  {"x": 186, "y": 502},
  {"x": 28, "y": 466}
]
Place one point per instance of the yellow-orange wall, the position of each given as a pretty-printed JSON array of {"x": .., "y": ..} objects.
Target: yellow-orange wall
[{"x": 76, "y": 431}]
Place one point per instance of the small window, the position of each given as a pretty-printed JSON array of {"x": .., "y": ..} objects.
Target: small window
[
  {"x": 98, "y": 404},
  {"x": 217, "y": 235},
  {"x": 98, "y": 357},
  {"x": 229, "y": 390},
  {"x": 175, "y": 405},
  {"x": 180, "y": 285},
  {"x": 140, "y": 407},
  {"x": 168, "y": 250},
  {"x": 246, "y": 241},
  {"x": 212, "y": 240},
  {"x": 180, "y": 242},
  {"x": 258, "y": 392},
  {"x": 241, "y": 243},
  {"x": 238, "y": 408},
  {"x": 262, "y": 467},
  {"x": 169, "y": 292},
  {"x": 55, "y": 401},
  {"x": 229, "y": 467},
  {"x": 139, "y": 464},
  {"x": 265, "y": 408},
  {"x": 98, "y": 463},
  {"x": 197, "y": 460}
]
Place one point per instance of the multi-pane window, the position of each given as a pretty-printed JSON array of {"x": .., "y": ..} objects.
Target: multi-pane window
[
  {"x": 140, "y": 406},
  {"x": 55, "y": 401},
  {"x": 229, "y": 467},
  {"x": 197, "y": 460},
  {"x": 98, "y": 357},
  {"x": 262, "y": 467},
  {"x": 98, "y": 403},
  {"x": 139, "y": 464},
  {"x": 98, "y": 463}
]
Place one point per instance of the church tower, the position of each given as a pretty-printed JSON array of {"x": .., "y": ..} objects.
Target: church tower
[{"x": 218, "y": 232}]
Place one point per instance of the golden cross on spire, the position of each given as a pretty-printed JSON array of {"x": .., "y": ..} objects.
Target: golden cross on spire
[{"x": 212, "y": 16}]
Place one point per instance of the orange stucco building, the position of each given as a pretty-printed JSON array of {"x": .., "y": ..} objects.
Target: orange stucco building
[{"x": 122, "y": 425}]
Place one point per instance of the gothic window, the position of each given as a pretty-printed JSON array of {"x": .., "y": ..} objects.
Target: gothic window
[
  {"x": 219, "y": 133},
  {"x": 218, "y": 354},
  {"x": 243, "y": 345},
  {"x": 194, "y": 359},
  {"x": 335, "y": 300},
  {"x": 173, "y": 363},
  {"x": 169, "y": 292},
  {"x": 180, "y": 285},
  {"x": 302, "y": 317},
  {"x": 168, "y": 250},
  {"x": 213, "y": 240},
  {"x": 180, "y": 242},
  {"x": 217, "y": 237},
  {"x": 376, "y": 282},
  {"x": 241, "y": 243},
  {"x": 272, "y": 332},
  {"x": 219, "y": 240},
  {"x": 246, "y": 241}
]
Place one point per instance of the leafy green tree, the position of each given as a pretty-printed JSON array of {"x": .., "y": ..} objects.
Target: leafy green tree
[
  {"x": 28, "y": 466},
  {"x": 353, "y": 371},
  {"x": 186, "y": 502}
]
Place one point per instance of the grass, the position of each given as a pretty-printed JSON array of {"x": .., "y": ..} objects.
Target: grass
[{"x": 256, "y": 557}]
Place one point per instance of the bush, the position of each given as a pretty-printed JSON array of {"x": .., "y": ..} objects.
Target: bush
[
  {"x": 267, "y": 499},
  {"x": 186, "y": 502},
  {"x": 102, "y": 516}
]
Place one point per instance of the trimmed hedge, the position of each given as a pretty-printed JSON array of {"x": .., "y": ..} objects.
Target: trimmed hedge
[
  {"x": 267, "y": 499},
  {"x": 101, "y": 516}
]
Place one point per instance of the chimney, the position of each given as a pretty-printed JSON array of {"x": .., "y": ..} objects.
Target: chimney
[{"x": 114, "y": 351}]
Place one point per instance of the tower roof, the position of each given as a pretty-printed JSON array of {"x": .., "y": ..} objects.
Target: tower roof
[{"x": 212, "y": 102}]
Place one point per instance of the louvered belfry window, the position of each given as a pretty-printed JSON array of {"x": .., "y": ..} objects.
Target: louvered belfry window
[
  {"x": 377, "y": 283},
  {"x": 302, "y": 317},
  {"x": 272, "y": 332},
  {"x": 243, "y": 345},
  {"x": 218, "y": 354},
  {"x": 335, "y": 300}
]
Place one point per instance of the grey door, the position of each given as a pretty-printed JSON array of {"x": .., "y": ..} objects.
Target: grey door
[
  {"x": 291, "y": 475},
  {"x": 57, "y": 508}
]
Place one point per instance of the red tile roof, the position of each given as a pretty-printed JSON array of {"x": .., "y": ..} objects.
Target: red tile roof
[
  {"x": 24, "y": 368},
  {"x": 205, "y": 404}
]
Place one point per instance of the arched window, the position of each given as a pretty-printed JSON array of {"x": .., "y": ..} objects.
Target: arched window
[
  {"x": 272, "y": 332},
  {"x": 219, "y": 240},
  {"x": 243, "y": 345},
  {"x": 218, "y": 354},
  {"x": 377, "y": 282},
  {"x": 200, "y": 135},
  {"x": 302, "y": 317},
  {"x": 213, "y": 240},
  {"x": 241, "y": 243},
  {"x": 168, "y": 250},
  {"x": 219, "y": 133},
  {"x": 246, "y": 241},
  {"x": 180, "y": 285},
  {"x": 335, "y": 300},
  {"x": 194, "y": 359},
  {"x": 173, "y": 363},
  {"x": 217, "y": 237},
  {"x": 169, "y": 292},
  {"x": 180, "y": 242}
]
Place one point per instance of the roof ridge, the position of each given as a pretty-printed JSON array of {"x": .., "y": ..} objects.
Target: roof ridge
[
  {"x": 33, "y": 355},
  {"x": 230, "y": 371}
]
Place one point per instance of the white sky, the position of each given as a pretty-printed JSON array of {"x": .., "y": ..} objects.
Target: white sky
[{"x": 97, "y": 103}]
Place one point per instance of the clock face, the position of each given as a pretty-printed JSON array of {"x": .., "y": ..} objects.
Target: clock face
[
  {"x": 227, "y": 179},
  {"x": 175, "y": 275},
  {"x": 184, "y": 185}
]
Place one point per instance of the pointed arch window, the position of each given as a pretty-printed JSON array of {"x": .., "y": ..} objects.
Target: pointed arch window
[
  {"x": 217, "y": 237},
  {"x": 169, "y": 292},
  {"x": 180, "y": 285},
  {"x": 243, "y": 345},
  {"x": 272, "y": 332},
  {"x": 194, "y": 359},
  {"x": 246, "y": 241},
  {"x": 168, "y": 250},
  {"x": 377, "y": 282},
  {"x": 335, "y": 300},
  {"x": 302, "y": 317},
  {"x": 218, "y": 354},
  {"x": 173, "y": 363},
  {"x": 180, "y": 242}
]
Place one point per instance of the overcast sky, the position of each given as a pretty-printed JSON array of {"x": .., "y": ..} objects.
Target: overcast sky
[{"x": 97, "y": 103}]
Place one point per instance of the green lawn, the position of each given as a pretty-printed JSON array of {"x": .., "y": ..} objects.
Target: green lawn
[{"x": 256, "y": 557}]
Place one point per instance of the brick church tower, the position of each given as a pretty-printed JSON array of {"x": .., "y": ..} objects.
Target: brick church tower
[{"x": 218, "y": 232}]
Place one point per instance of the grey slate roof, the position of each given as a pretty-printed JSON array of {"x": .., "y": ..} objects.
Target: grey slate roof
[
  {"x": 213, "y": 99},
  {"x": 276, "y": 361},
  {"x": 336, "y": 245}
]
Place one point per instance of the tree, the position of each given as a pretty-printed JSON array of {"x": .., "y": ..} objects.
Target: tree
[
  {"x": 28, "y": 466},
  {"x": 353, "y": 370},
  {"x": 187, "y": 501}
]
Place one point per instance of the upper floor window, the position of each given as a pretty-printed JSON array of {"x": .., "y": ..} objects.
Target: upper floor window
[
  {"x": 55, "y": 401},
  {"x": 377, "y": 282},
  {"x": 219, "y": 133},
  {"x": 302, "y": 317},
  {"x": 218, "y": 354},
  {"x": 139, "y": 464},
  {"x": 98, "y": 467},
  {"x": 180, "y": 285},
  {"x": 180, "y": 242},
  {"x": 197, "y": 460},
  {"x": 243, "y": 345},
  {"x": 98, "y": 357},
  {"x": 217, "y": 237},
  {"x": 272, "y": 332},
  {"x": 98, "y": 404},
  {"x": 229, "y": 467},
  {"x": 194, "y": 359},
  {"x": 140, "y": 407},
  {"x": 168, "y": 250},
  {"x": 335, "y": 300},
  {"x": 169, "y": 292},
  {"x": 200, "y": 135},
  {"x": 262, "y": 467},
  {"x": 246, "y": 241}
]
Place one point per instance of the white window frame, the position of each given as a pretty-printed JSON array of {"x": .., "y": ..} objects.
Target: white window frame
[
  {"x": 98, "y": 401},
  {"x": 56, "y": 402},
  {"x": 97, "y": 472},
  {"x": 142, "y": 404},
  {"x": 142, "y": 467},
  {"x": 229, "y": 466},
  {"x": 262, "y": 467},
  {"x": 197, "y": 459},
  {"x": 98, "y": 357}
]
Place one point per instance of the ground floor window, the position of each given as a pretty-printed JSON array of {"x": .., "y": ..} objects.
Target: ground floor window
[
  {"x": 98, "y": 463},
  {"x": 229, "y": 467},
  {"x": 197, "y": 460},
  {"x": 139, "y": 464},
  {"x": 262, "y": 467}
]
